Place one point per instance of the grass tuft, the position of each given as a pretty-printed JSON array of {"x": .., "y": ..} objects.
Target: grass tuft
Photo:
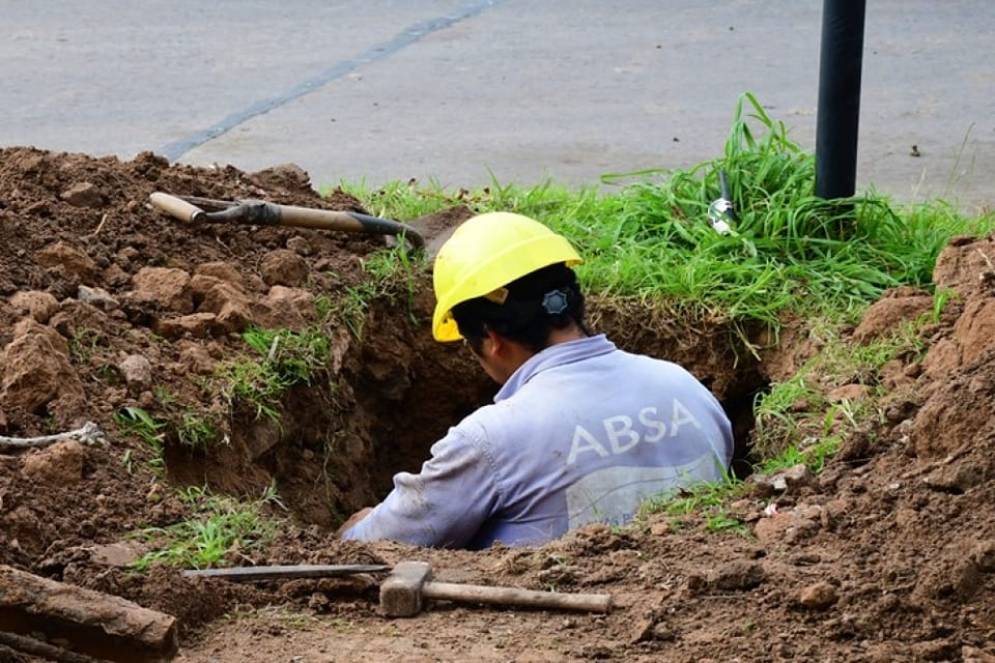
[
  {"x": 283, "y": 359},
  {"x": 795, "y": 414},
  {"x": 141, "y": 424},
  {"x": 220, "y": 527},
  {"x": 388, "y": 273}
]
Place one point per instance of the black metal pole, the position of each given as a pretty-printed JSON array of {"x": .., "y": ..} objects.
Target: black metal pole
[{"x": 839, "y": 98}]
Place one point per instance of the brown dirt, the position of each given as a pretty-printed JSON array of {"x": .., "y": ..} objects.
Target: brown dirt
[{"x": 888, "y": 555}]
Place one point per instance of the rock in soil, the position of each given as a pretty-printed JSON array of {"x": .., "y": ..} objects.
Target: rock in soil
[
  {"x": 83, "y": 194},
  {"x": 819, "y": 596},
  {"x": 789, "y": 479},
  {"x": 956, "y": 478},
  {"x": 983, "y": 556},
  {"x": 97, "y": 297},
  {"x": 292, "y": 307},
  {"x": 848, "y": 392},
  {"x": 785, "y": 527},
  {"x": 230, "y": 304},
  {"x": 120, "y": 554},
  {"x": 300, "y": 246},
  {"x": 196, "y": 325},
  {"x": 222, "y": 271},
  {"x": 137, "y": 373}
]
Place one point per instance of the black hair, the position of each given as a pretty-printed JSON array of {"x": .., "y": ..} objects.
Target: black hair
[{"x": 532, "y": 307}]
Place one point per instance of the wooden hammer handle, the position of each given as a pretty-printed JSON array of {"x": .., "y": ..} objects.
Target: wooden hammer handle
[{"x": 512, "y": 596}]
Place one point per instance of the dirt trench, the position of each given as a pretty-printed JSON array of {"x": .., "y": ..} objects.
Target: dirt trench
[{"x": 396, "y": 392}]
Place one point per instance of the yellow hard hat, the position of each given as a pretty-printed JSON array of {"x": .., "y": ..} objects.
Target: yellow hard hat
[{"x": 486, "y": 253}]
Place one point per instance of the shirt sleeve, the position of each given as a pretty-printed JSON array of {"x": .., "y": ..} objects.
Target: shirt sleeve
[{"x": 444, "y": 505}]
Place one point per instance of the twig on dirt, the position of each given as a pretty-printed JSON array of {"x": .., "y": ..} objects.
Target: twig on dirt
[
  {"x": 23, "y": 643},
  {"x": 90, "y": 433},
  {"x": 224, "y": 246},
  {"x": 100, "y": 226}
]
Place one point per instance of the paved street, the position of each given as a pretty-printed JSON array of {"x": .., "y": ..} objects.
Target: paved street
[{"x": 459, "y": 89}]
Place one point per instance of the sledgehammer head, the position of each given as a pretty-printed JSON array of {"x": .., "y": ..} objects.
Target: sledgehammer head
[{"x": 401, "y": 592}]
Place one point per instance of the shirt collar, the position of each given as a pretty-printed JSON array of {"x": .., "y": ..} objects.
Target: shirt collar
[{"x": 553, "y": 356}]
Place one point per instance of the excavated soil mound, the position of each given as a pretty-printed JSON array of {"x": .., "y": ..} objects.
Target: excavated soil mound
[
  {"x": 889, "y": 554},
  {"x": 106, "y": 304}
]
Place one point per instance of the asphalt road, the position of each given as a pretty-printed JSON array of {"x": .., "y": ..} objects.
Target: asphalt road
[{"x": 459, "y": 89}]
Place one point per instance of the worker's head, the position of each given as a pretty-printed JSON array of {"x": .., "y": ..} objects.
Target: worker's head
[{"x": 503, "y": 283}]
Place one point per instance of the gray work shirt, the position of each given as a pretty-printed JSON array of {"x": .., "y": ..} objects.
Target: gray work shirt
[{"x": 582, "y": 432}]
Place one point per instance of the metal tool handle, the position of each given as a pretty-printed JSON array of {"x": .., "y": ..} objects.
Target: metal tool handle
[
  {"x": 512, "y": 596},
  {"x": 176, "y": 207},
  {"x": 286, "y": 572}
]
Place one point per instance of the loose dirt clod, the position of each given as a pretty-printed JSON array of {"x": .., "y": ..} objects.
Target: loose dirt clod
[
  {"x": 39, "y": 305},
  {"x": 61, "y": 464},
  {"x": 739, "y": 575}
]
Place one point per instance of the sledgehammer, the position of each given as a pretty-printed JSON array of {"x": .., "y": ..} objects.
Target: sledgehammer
[{"x": 410, "y": 583}]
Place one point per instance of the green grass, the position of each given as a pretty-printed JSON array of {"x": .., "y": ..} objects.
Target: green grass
[
  {"x": 693, "y": 499},
  {"x": 197, "y": 430},
  {"x": 190, "y": 424},
  {"x": 283, "y": 359},
  {"x": 85, "y": 343},
  {"x": 136, "y": 421},
  {"x": 220, "y": 526},
  {"x": 815, "y": 456},
  {"x": 706, "y": 501},
  {"x": 790, "y": 251},
  {"x": 795, "y": 413},
  {"x": 388, "y": 273}
]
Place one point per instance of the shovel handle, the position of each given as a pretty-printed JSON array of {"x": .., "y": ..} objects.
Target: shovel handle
[
  {"x": 512, "y": 596},
  {"x": 259, "y": 213},
  {"x": 175, "y": 207},
  {"x": 304, "y": 217}
]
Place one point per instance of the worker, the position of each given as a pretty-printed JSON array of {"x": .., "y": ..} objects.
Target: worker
[{"x": 580, "y": 432}]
